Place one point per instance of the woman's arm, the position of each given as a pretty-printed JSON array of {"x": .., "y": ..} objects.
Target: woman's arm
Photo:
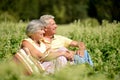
[
  {"x": 33, "y": 51},
  {"x": 48, "y": 55}
]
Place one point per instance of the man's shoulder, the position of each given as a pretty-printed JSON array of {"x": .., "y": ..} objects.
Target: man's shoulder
[{"x": 58, "y": 36}]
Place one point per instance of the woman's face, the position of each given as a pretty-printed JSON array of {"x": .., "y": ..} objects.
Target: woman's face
[{"x": 39, "y": 34}]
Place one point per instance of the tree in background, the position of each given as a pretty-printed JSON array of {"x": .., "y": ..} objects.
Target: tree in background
[
  {"x": 116, "y": 10},
  {"x": 64, "y": 11},
  {"x": 104, "y": 9}
]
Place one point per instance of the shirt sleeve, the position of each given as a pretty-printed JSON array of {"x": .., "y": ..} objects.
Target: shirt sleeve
[{"x": 67, "y": 41}]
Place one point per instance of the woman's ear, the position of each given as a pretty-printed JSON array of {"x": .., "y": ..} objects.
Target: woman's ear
[{"x": 45, "y": 29}]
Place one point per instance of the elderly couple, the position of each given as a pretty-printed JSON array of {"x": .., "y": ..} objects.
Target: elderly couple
[{"x": 43, "y": 51}]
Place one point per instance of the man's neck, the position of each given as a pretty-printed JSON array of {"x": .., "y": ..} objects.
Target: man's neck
[{"x": 48, "y": 37}]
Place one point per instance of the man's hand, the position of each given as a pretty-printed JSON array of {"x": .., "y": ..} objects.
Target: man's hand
[
  {"x": 81, "y": 50},
  {"x": 81, "y": 46},
  {"x": 69, "y": 55}
]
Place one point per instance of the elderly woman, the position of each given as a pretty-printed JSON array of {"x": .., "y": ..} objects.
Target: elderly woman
[{"x": 35, "y": 55}]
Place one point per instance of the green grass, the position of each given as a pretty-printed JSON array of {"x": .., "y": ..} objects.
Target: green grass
[{"x": 102, "y": 42}]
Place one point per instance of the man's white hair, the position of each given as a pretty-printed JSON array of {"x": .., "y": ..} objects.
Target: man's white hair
[{"x": 44, "y": 19}]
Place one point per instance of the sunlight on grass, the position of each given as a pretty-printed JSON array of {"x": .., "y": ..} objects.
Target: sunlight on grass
[{"x": 102, "y": 43}]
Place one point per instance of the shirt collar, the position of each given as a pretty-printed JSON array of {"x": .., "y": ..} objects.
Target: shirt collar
[{"x": 46, "y": 41}]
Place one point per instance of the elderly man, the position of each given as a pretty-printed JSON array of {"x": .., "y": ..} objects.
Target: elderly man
[{"x": 62, "y": 43}]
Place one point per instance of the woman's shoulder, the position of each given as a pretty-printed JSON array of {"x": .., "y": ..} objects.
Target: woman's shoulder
[{"x": 29, "y": 40}]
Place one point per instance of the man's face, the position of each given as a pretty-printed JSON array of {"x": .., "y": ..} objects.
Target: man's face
[{"x": 51, "y": 28}]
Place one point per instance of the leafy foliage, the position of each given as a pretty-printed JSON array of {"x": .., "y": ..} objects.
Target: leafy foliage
[
  {"x": 64, "y": 11},
  {"x": 102, "y": 42}
]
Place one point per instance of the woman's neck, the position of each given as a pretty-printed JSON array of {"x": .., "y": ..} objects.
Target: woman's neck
[{"x": 37, "y": 42}]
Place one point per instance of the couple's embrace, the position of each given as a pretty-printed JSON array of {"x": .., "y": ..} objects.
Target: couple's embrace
[{"x": 43, "y": 51}]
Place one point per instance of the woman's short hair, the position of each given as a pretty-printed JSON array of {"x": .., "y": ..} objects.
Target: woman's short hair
[
  {"x": 44, "y": 19},
  {"x": 33, "y": 26}
]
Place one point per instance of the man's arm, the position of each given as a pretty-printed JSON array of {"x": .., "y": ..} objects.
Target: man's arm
[
  {"x": 80, "y": 45},
  {"x": 74, "y": 44}
]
